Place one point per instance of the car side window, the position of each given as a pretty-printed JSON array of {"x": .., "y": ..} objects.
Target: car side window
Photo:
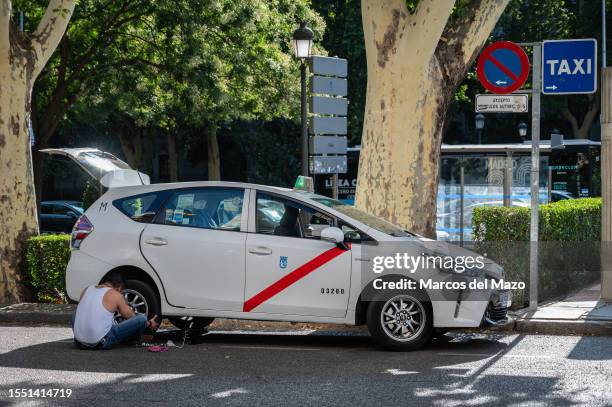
[
  {"x": 283, "y": 217},
  {"x": 207, "y": 208},
  {"x": 141, "y": 208}
]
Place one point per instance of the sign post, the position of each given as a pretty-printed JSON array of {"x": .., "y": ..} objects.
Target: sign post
[
  {"x": 560, "y": 67},
  {"x": 535, "y": 176},
  {"x": 328, "y": 123}
]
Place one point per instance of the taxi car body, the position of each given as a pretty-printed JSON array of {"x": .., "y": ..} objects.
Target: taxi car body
[{"x": 236, "y": 250}]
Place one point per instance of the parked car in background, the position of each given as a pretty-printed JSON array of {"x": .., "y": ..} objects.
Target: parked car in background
[
  {"x": 556, "y": 196},
  {"x": 59, "y": 216}
]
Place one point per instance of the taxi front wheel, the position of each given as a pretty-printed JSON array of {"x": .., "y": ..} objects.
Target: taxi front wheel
[{"x": 400, "y": 322}]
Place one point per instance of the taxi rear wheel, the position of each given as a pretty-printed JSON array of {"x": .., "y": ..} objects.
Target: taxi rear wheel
[
  {"x": 199, "y": 323},
  {"x": 141, "y": 298},
  {"x": 400, "y": 322}
]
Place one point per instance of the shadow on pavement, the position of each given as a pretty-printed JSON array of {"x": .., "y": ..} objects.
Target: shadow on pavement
[
  {"x": 283, "y": 370},
  {"x": 592, "y": 348}
]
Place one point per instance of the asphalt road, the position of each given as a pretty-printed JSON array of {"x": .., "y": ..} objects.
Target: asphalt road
[{"x": 324, "y": 369}]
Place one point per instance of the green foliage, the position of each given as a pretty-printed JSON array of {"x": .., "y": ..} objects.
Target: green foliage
[
  {"x": 90, "y": 194},
  {"x": 564, "y": 221},
  {"x": 569, "y": 244},
  {"x": 181, "y": 66},
  {"x": 46, "y": 258}
]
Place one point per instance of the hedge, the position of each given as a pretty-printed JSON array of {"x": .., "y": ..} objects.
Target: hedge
[
  {"x": 46, "y": 258},
  {"x": 577, "y": 220},
  {"x": 569, "y": 244}
]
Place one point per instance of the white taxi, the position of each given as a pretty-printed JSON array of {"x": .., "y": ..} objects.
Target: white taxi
[{"x": 236, "y": 250}]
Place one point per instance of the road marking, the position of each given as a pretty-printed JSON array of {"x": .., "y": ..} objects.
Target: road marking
[
  {"x": 266, "y": 347},
  {"x": 227, "y": 393},
  {"x": 397, "y": 372}
]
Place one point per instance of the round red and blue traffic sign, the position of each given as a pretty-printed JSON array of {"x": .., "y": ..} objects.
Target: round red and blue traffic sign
[{"x": 503, "y": 67}]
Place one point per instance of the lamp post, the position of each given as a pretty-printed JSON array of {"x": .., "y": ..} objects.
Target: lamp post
[
  {"x": 302, "y": 40},
  {"x": 479, "y": 121},
  {"x": 522, "y": 130}
]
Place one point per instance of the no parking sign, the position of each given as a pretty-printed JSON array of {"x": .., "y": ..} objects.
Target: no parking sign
[{"x": 503, "y": 67}]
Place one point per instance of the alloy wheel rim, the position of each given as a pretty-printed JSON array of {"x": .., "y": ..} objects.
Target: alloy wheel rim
[
  {"x": 136, "y": 302},
  {"x": 403, "y": 318}
]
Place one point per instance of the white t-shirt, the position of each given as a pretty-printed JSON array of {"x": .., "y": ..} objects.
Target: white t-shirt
[{"x": 92, "y": 321}]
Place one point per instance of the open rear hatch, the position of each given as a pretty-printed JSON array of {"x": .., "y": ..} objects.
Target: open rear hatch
[{"x": 107, "y": 169}]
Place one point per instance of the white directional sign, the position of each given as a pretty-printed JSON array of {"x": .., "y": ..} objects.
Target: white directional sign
[
  {"x": 569, "y": 66},
  {"x": 328, "y": 164},
  {"x": 328, "y": 145},
  {"x": 327, "y": 125},
  {"x": 513, "y": 103},
  {"x": 328, "y": 85},
  {"x": 328, "y": 66}
]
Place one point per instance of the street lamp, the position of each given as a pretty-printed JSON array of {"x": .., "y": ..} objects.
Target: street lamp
[
  {"x": 302, "y": 40},
  {"x": 479, "y": 121},
  {"x": 522, "y": 129}
]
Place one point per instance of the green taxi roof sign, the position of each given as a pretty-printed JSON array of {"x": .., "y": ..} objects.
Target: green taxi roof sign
[{"x": 304, "y": 183}]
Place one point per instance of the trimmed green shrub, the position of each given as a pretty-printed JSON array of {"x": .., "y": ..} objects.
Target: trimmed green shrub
[
  {"x": 46, "y": 258},
  {"x": 570, "y": 220},
  {"x": 569, "y": 246}
]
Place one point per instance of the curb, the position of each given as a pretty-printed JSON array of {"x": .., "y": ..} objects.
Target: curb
[
  {"x": 35, "y": 318},
  {"x": 31, "y": 314},
  {"x": 563, "y": 327}
]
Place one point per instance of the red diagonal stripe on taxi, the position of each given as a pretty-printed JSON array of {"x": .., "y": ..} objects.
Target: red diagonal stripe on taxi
[{"x": 292, "y": 277}]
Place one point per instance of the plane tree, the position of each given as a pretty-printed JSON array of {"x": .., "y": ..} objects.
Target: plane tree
[
  {"x": 418, "y": 52},
  {"x": 22, "y": 58}
]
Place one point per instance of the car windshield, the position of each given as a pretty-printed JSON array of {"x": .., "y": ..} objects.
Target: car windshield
[{"x": 363, "y": 217}]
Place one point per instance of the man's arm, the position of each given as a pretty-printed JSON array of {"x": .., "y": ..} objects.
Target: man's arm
[{"x": 122, "y": 306}]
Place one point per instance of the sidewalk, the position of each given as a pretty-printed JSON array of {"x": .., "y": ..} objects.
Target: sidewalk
[
  {"x": 578, "y": 314},
  {"x": 582, "y": 313}
]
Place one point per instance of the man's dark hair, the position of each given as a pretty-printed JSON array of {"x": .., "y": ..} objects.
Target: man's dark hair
[{"x": 115, "y": 279}]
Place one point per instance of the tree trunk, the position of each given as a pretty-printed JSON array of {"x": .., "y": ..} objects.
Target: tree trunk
[
  {"x": 415, "y": 62},
  {"x": 172, "y": 157},
  {"x": 214, "y": 157},
  {"x": 21, "y": 60},
  {"x": 606, "y": 184},
  {"x": 582, "y": 131},
  {"x": 130, "y": 139}
]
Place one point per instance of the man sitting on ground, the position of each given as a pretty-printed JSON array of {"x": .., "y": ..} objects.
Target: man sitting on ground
[{"x": 92, "y": 323}]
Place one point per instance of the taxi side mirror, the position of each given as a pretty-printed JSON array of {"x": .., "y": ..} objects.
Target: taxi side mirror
[{"x": 334, "y": 235}]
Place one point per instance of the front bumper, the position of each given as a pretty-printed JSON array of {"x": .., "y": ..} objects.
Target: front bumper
[{"x": 496, "y": 313}]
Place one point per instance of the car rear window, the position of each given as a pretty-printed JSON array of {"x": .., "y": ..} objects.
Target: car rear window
[{"x": 141, "y": 208}]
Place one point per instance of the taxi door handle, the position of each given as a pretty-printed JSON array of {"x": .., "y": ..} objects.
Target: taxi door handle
[
  {"x": 157, "y": 241},
  {"x": 261, "y": 250}
]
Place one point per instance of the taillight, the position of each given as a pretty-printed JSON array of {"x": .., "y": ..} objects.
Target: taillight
[{"x": 82, "y": 228}]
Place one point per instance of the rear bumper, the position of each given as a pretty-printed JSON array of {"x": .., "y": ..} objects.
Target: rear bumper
[{"x": 83, "y": 270}]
